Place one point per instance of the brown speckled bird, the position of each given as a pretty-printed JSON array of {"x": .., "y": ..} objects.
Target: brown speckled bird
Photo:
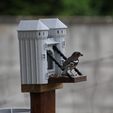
[
  {"x": 71, "y": 64},
  {"x": 73, "y": 57}
]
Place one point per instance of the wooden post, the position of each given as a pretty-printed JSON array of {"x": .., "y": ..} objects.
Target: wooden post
[
  {"x": 42, "y": 96},
  {"x": 43, "y": 102}
]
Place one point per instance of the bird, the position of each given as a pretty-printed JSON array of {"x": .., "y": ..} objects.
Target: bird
[
  {"x": 73, "y": 57},
  {"x": 69, "y": 66}
]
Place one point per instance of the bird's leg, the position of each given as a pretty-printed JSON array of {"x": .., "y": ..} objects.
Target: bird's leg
[{"x": 79, "y": 73}]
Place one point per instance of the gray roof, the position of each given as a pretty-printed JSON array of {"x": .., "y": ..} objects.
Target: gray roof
[
  {"x": 53, "y": 23},
  {"x": 30, "y": 25}
]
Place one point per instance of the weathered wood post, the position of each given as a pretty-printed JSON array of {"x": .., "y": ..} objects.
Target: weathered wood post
[
  {"x": 42, "y": 97},
  {"x": 40, "y": 73}
]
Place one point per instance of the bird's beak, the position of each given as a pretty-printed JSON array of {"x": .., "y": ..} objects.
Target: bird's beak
[{"x": 81, "y": 54}]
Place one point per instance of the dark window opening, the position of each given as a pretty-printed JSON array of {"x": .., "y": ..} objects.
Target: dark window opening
[
  {"x": 49, "y": 60},
  {"x": 58, "y": 32}
]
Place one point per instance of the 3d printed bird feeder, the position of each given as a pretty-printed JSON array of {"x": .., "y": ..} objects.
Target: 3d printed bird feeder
[{"x": 42, "y": 46}]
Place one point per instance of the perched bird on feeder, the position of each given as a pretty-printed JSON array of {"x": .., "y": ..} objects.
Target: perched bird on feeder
[
  {"x": 70, "y": 64},
  {"x": 73, "y": 57}
]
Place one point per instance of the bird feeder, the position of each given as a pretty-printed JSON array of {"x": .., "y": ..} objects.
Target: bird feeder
[
  {"x": 41, "y": 45},
  {"x": 42, "y": 53}
]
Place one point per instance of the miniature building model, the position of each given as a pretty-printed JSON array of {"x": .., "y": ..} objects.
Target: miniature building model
[
  {"x": 37, "y": 39},
  {"x": 56, "y": 36}
]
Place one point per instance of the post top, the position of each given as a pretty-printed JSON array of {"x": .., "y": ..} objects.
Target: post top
[
  {"x": 31, "y": 25},
  {"x": 39, "y": 88}
]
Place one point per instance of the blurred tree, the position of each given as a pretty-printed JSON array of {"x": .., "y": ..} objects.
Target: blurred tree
[
  {"x": 29, "y": 7},
  {"x": 77, "y": 7},
  {"x": 96, "y": 6},
  {"x": 102, "y": 7},
  {"x": 106, "y": 7},
  {"x": 56, "y": 7}
]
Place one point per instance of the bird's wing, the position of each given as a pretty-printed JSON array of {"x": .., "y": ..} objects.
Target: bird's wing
[{"x": 66, "y": 62}]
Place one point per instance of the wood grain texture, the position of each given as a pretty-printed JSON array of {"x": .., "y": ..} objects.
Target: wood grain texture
[
  {"x": 66, "y": 79},
  {"x": 43, "y": 102},
  {"x": 39, "y": 88}
]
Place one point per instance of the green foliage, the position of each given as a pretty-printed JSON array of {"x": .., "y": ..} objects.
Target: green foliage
[
  {"x": 102, "y": 7},
  {"x": 56, "y": 7},
  {"x": 76, "y": 7},
  {"x": 29, "y": 7}
]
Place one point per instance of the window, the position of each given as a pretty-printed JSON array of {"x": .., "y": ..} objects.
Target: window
[
  {"x": 62, "y": 31},
  {"x": 43, "y": 33},
  {"x": 49, "y": 60},
  {"x": 58, "y": 32},
  {"x": 39, "y": 33}
]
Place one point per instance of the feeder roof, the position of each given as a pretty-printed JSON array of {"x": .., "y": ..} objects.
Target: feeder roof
[
  {"x": 31, "y": 25},
  {"x": 53, "y": 23}
]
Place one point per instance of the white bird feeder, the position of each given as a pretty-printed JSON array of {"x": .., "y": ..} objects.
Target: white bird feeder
[
  {"x": 56, "y": 36},
  {"x": 36, "y": 38}
]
